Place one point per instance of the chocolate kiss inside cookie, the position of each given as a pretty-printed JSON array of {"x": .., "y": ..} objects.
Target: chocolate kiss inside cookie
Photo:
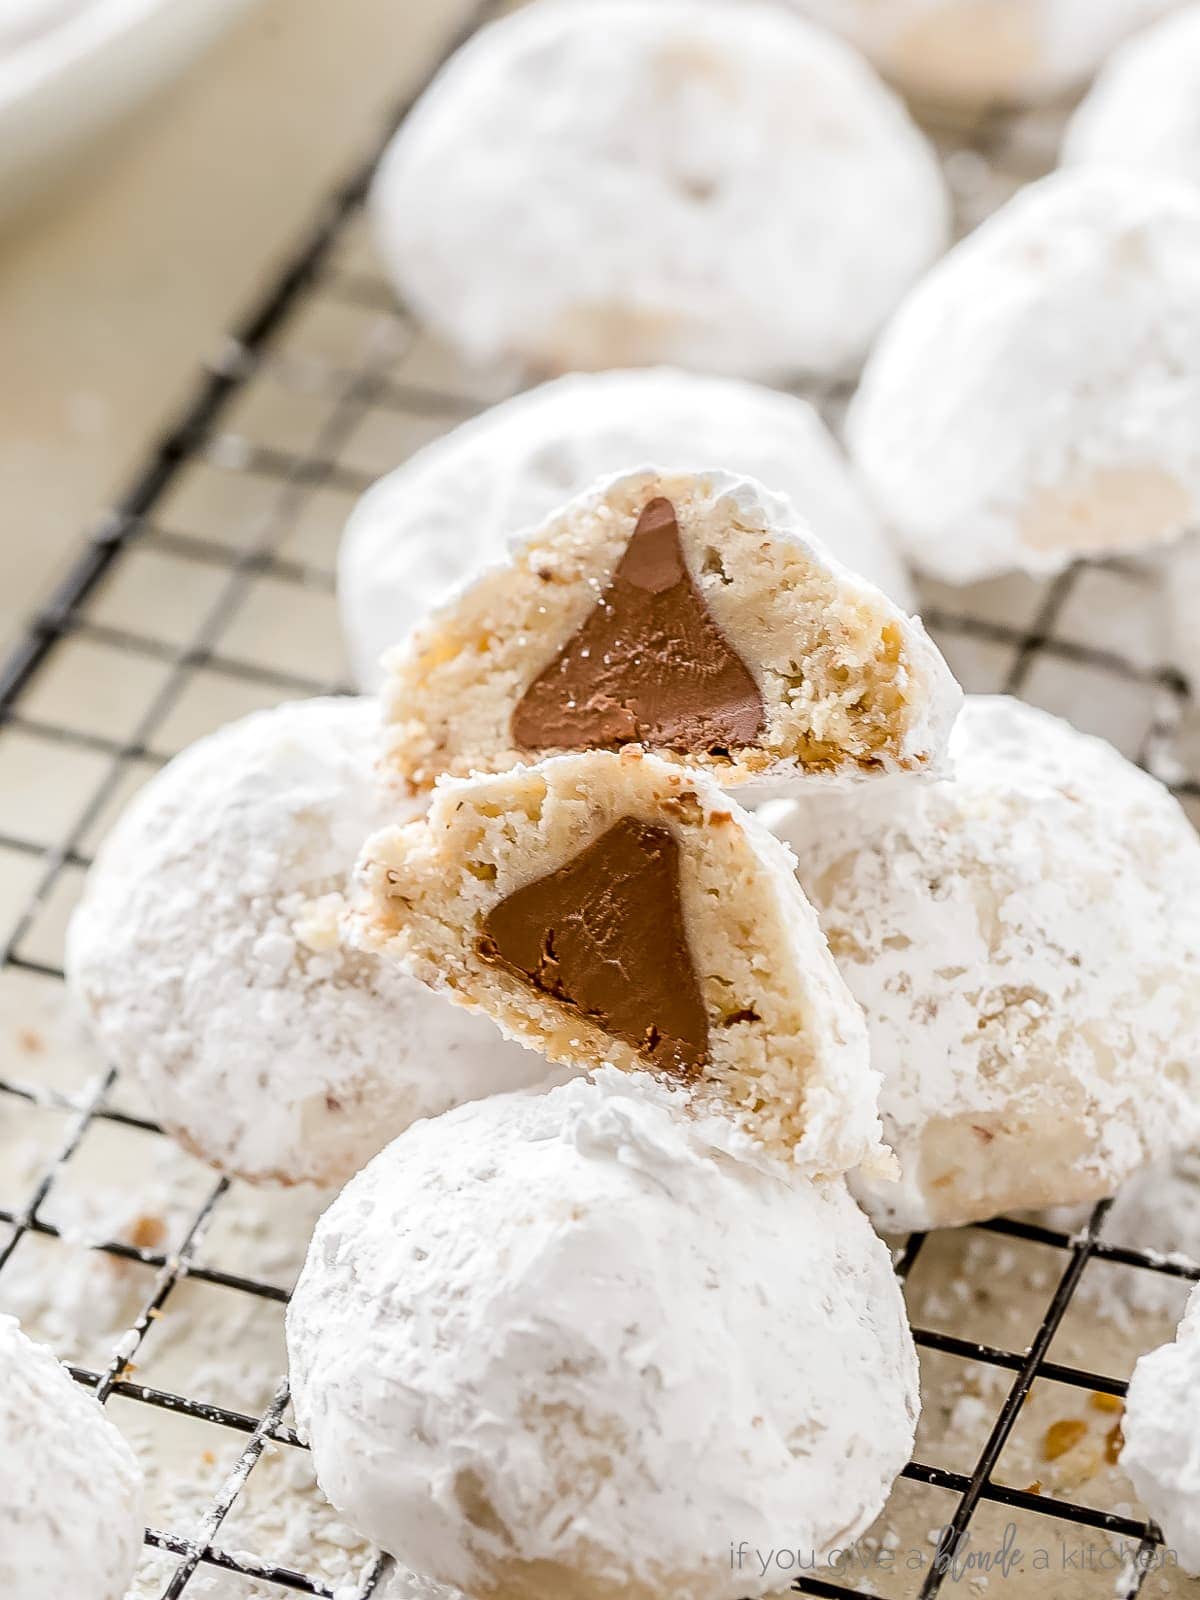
[
  {"x": 605, "y": 936},
  {"x": 649, "y": 664}
]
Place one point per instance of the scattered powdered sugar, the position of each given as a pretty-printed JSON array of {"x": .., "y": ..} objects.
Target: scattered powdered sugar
[
  {"x": 450, "y": 510},
  {"x": 1024, "y": 938},
  {"x": 1156, "y": 1211},
  {"x": 523, "y": 1324},
  {"x": 208, "y": 951}
]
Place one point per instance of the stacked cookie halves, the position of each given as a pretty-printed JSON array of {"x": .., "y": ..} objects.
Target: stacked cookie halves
[{"x": 590, "y": 1339}]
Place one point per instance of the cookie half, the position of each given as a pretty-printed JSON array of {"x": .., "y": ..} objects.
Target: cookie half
[
  {"x": 690, "y": 613},
  {"x": 607, "y": 908}
]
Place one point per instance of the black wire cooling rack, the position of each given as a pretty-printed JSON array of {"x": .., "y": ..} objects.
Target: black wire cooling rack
[{"x": 1020, "y": 638}]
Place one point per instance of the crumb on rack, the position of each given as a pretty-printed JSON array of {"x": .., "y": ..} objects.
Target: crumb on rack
[
  {"x": 1107, "y": 1402},
  {"x": 1062, "y": 1436}
]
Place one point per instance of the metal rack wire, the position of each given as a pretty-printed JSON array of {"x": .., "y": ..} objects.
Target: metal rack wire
[{"x": 996, "y": 640}]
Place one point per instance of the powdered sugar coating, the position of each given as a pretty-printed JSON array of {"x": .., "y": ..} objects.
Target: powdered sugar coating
[
  {"x": 977, "y": 53},
  {"x": 1037, "y": 397},
  {"x": 622, "y": 182},
  {"x": 450, "y": 510},
  {"x": 524, "y": 1327},
  {"x": 1144, "y": 109},
  {"x": 1161, "y": 1426},
  {"x": 1024, "y": 938},
  {"x": 70, "y": 1488},
  {"x": 209, "y": 954}
]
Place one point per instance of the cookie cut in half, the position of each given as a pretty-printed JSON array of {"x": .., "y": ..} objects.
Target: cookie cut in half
[
  {"x": 690, "y": 613},
  {"x": 609, "y": 908}
]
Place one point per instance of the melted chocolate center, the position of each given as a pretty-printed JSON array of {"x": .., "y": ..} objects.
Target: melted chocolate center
[
  {"x": 605, "y": 936},
  {"x": 649, "y": 665}
]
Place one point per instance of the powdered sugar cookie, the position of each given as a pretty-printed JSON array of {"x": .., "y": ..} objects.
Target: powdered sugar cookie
[
  {"x": 1144, "y": 109},
  {"x": 978, "y": 53},
  {"x": 1024, "y": 939},
  {"x": 525, "y": 1324},
  {"x": 611, "y": 908},
  {"x": 689, "y": 613},
  {"x": 70, "y": 1488},
  {"x": 208, "y": 953},
  {"x": 622, "y": 182},
  {"x": 1161, "y": 1426},
  {"x": 450, "y": 510},
  {"x": 1037, "y": 397}
]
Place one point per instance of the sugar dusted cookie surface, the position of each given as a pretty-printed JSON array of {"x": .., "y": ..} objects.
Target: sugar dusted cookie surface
[
  {"x": 70, "y": 1488},
  {"x": 450, "y": 510},
  {"x": 1024, "y": 938},
  {"x": 608, "y": 908},
  {"x": 527, "y": 1324},
  {"x": 208, "y": 953},
  {"x": 689, "y": 613},
  {"x": 623, "y": 182},
  {"x": 980, "y": 53},
  {"x": 1144, "y": 109},
  {"x": 1037, "y": 397},
  {"x": 1161, "y": 1426}
]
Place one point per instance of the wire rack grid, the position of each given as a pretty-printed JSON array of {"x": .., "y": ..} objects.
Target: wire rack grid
[{"x": 326, "y": 384}]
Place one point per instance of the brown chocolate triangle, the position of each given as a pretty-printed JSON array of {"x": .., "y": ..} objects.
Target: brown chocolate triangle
[
  {"x": 649, "y": 665},
  {"x": 605, "y": 936}
]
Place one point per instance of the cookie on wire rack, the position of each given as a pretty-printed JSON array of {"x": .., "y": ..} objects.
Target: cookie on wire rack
[
  {"x": 207, "y": 952},
  {"x": 610, "y": 908},
  {"x": 70, "y": 1488},
  {"x": 1144, "y": 109},
  {"x": 568, "y": 1345},
  {"x": 1161, "y": 1428},
  {"x": 1024, "y": 939},
  {"x": 976, "y": 55},
  {"x": 689, "y": 613},
  {"x": 1037, "y": 397},
  {"x": 622, "y": 182},
  {"x": 449, "y": 510}
]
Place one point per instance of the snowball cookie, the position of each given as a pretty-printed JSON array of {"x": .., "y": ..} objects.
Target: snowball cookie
[
  {"x": 1025, "y": 941},
  {"x": 979, "y": 53},
  {"x": 622, "y": 182},
  {"x": 207, "y": 951},
  {"x": 449, "y": 510},
  {"x": 1161, "y": 1425},
  {"x": 1037, "y": 398},
  {"x": 690, "y": 613},
  {"x": 561, "y": 1345},
  {"x": 1145, "y": 107},
  {"x": 611, "y": 908},
  {"x": 70, "y": 1488}
]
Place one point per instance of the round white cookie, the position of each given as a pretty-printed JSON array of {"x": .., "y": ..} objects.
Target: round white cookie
[
  {"x": 450, "y": 510},
  {"x": 1144, "y": 109},
  {"x": 1024, "y": 939},
  {"x": 1037, "y": 397},
  {"x": 1161, "y": 1426},
  {"x": 568, "y": 1345},
  {"x": 621, "y": 182},
  {"x": 208, "y": 951},
  {"x": 70, "y": 1488},
  {"x": 979, "y": 53}
]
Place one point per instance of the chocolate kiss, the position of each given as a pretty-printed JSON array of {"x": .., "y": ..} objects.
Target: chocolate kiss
[
  {"x": 649, "y": 665},
  {"x": 605, "y": 936}
]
